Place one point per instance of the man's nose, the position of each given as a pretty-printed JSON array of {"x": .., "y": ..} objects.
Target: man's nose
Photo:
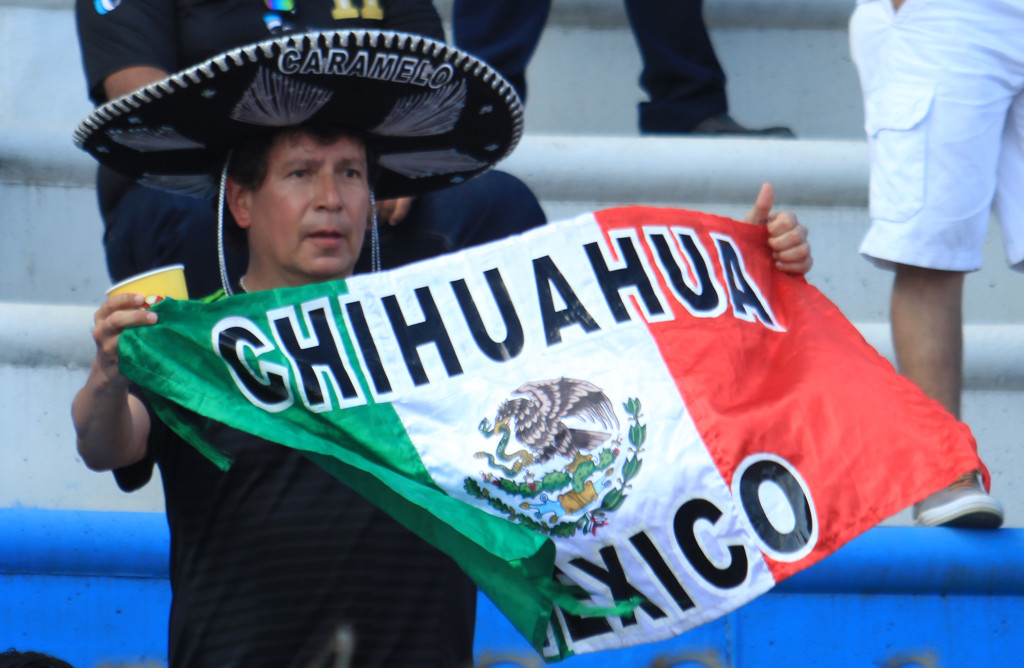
[{"x": 328, "y": 192}]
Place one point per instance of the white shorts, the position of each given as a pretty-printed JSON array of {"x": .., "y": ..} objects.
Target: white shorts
[{"x": 944, "y": 114}]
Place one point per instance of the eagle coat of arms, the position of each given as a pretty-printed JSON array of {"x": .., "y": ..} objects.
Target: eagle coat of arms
[{"x": 571, "y": 470}]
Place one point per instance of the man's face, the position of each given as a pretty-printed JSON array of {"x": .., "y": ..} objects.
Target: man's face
[{"x": 307, "y": 220}]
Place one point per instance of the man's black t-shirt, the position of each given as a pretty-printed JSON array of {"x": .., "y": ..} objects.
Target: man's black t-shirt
[{"x": 271, "y": 557}]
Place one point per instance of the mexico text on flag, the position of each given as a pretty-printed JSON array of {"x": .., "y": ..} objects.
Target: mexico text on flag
[{"x": 621, "y": 426}]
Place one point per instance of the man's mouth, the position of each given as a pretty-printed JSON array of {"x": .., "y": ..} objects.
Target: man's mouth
[{"x": 326, "y": 240}]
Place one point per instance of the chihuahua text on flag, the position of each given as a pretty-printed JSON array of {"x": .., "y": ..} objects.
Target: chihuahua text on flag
[{"x": 621, "y": 426}]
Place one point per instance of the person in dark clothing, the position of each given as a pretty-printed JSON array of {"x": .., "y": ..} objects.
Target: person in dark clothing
[
  {"x": 681, "y": 72},
  {"x": 142, "y": 41},
  {"x": 15, "y": 659}
]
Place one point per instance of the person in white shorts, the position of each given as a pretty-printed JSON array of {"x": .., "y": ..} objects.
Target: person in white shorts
[{"x": 944, "y": 113}]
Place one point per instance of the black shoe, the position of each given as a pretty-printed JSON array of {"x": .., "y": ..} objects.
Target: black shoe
[{"x": 723, "y": 124}]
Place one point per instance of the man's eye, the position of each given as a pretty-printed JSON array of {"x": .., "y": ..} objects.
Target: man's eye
[
  {"x": 352, "y": 173},
  {"x": 299, "y": 173}
]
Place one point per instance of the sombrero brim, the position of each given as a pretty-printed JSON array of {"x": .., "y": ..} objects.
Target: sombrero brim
[{"x": 435, "y": 115}]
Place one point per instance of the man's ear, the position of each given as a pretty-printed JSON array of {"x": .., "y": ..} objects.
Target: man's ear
[{"x": 239, "y": 200}]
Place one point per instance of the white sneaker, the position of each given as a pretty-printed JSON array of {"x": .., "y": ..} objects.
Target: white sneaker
[{"x": 963, "y": 504}]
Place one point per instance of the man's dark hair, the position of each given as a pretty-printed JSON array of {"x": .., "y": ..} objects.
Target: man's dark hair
[
  {"x": 15, "y": 659},
  {"x": 248, "y": 165}
]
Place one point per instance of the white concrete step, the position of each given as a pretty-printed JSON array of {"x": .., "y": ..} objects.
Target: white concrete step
[
  {"x": 45, "y": 354},
  {"x": 51, "y": 215}
]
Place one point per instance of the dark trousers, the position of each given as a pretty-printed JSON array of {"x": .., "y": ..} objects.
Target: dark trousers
[
  {"x": 681, "y": 74},
  {"x": 150, "y": 228}
]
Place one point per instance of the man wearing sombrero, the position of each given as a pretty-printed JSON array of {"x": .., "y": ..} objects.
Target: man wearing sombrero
[
  {"x": 271, "y": 558},
  {"x": 127, "y": 45}
]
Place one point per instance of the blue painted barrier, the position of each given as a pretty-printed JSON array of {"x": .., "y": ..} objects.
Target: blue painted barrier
[{"x": 91, "y": 588}]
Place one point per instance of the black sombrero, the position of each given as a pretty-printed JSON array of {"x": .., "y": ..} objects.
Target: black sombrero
[{"x": 435, "y": 115}]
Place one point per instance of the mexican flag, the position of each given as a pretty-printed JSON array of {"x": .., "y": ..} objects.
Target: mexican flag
[{"x": 621, "y": 426}]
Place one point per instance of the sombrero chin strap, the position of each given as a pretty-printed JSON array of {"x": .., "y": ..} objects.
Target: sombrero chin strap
[
  {"x": 374, "y": 236},
  {"x": 221, "y": 259}
]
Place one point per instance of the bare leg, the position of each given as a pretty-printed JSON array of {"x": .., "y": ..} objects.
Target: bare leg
[{"x": 927, "y": 331}]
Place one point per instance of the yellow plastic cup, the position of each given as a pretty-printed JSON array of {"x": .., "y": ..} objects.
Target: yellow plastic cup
[{"x": 155, "y": 285}]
